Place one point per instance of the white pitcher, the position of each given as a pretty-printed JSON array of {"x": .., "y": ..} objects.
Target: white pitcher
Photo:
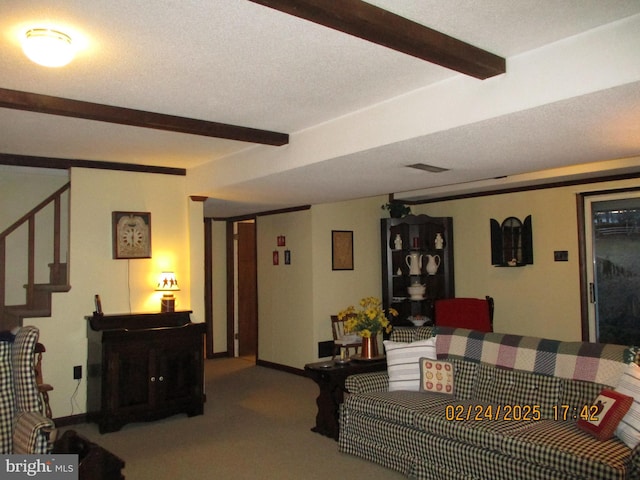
[
  {"x": 414, "y": 262},
  {"x": 433, "y": 262}
]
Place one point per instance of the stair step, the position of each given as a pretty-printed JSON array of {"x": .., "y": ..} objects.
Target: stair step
[
  {"x": 25, "y": 312},
  {"x": 48, "y": 287}
]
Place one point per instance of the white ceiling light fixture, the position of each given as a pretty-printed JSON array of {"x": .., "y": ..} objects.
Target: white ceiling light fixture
[{"x": 48, "y": 47}]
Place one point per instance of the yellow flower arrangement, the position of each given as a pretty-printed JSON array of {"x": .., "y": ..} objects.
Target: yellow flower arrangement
[{"x": 369, "y": 320}]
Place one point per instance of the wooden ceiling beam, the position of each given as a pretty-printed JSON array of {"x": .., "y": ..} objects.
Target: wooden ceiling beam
[
  {"x": 376, "y": 25},
  {"x": 12, "y": 159},
  {"x": 34, "y": 102}
]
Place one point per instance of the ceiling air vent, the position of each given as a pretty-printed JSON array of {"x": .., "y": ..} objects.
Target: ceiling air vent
[{"x": 428, "y": 168}]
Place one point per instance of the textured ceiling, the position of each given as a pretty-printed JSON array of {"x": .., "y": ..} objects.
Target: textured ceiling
[{"x": 241, "y": 63}]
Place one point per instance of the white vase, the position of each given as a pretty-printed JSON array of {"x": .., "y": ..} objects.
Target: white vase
[{"x": 433, "y": 262}]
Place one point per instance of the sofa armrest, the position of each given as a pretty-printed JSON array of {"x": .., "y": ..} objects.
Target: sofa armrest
[
  {"x": 33, "y": 434},
  {"x": 367, "y": 382}
]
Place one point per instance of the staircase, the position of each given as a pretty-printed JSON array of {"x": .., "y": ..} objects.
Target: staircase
[{"x": 37, "y": 295}]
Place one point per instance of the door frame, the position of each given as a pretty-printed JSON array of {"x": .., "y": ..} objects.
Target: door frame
[
  {"x": 585, "y": 252},
  {"x": 231, "y": 283}
]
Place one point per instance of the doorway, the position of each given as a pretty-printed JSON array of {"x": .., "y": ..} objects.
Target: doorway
[
  {"x": 245, "y": 308},
  {"x": 612, "y": 253}
]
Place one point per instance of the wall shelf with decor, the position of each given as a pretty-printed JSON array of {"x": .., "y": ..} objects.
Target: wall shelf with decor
[
  {"x": 417, "y": 265},
  {"x": 511, "y": 242}
]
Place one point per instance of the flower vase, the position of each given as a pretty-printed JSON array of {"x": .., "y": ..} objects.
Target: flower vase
[{"x": 369, "y": 349}]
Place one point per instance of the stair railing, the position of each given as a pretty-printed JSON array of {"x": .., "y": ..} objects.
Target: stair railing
[{"x": 30, "y": 219}]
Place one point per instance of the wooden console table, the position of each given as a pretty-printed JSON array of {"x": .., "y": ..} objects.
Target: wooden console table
[
  {"x": 331, "y": 377},
  {"x": 144, "y": 367}
]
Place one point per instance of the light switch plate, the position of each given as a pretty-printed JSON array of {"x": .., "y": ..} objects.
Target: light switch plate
[{"x": 561, "y": 256}]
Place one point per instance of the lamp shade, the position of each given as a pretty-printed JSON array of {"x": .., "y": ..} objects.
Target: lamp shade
[
  {"x": 167, "y": 282},
  {"x": 48, "y": 47}
]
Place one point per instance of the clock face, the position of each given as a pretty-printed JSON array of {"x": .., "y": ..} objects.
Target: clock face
[{"x": 132, "y": 236}]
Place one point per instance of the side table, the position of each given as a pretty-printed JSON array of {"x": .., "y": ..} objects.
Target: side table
[
  {"x": 330, "y": 377},
  {"x": 94, "y": 462}
]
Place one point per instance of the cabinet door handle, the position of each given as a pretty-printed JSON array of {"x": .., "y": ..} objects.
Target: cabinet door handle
[
  {"x": 153, "y": 379},
  {"x": 161, "y": 378}
]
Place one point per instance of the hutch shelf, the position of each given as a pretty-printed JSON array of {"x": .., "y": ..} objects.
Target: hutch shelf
[{"x": 416, "y": 250}]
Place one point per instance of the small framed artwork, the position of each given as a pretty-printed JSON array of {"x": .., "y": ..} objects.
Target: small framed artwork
[
  {"x": 341, "y": 250},
  {"x": 281, "y": 240},
  {"x": 131, "y": 234},
  {"x": 287, "y": 257},
  {"x": 276, "y": 257}
]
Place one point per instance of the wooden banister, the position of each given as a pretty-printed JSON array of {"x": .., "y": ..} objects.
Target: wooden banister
[
  {"x": 57, "y": 194},
  {"x": 30, "y": 219}
]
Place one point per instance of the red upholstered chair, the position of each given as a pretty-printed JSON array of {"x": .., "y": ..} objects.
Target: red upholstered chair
[{"x": 471, "y": 313}]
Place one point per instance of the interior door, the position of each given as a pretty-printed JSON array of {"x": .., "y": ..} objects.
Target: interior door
[
  {"x": 247, "y": 290},
  {"x": 612, "y": 246}
]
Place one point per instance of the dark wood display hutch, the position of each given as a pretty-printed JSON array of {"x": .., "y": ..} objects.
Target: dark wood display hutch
[
  {"x": 144, "y": 367},
  {"x": 418, "y": 236}
]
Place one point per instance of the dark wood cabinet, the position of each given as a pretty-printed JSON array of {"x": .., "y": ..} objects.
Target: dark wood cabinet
[
  {"x": 144, "y": 367},
  {"x": 416, "y": 250}
]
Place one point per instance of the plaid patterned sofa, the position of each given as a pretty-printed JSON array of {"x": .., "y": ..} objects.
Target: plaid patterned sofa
[
  {"x": 409, "y": 432},
  {"x": 23, "y": 427}
]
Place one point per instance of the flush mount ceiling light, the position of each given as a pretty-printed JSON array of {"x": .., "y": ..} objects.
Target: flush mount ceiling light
[{"x": 48, "y": 47}]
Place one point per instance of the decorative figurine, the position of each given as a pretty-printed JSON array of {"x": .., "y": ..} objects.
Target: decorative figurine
[
  {"x": 439, "y": 242},
  {"x": 397, "y": 243}
]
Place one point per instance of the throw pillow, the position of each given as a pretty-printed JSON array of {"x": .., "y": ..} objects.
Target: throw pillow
[
  {"x": 605, "y": 414},
  {"x": 436, "y": 376},
  {"x": 403, "y": 362},
  {"x": 629, "y": 428}
]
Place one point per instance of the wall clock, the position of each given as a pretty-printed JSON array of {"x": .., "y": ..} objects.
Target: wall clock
[{"x": 131, "y": 234}]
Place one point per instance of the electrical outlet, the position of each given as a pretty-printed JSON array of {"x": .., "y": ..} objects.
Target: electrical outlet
[{"x": 77, "y": 372}]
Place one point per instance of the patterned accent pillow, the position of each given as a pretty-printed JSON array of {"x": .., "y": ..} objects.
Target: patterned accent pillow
[
  {"x": 610, "y": 406},
  {"x": 629, "y": 428},
  {"x": 403, "y": 362},
  {"x": 436, "y": 376}
]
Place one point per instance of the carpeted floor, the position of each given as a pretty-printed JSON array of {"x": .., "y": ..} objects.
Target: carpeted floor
[{"x": 256, "y": 426}]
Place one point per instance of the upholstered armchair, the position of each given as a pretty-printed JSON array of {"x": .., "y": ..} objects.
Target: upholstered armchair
[{"x": 23, "y": 427}]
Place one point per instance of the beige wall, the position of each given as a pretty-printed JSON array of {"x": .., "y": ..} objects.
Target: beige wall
[
  {"x": 334, "y": 290},
  {"x": 285, "y": 292},
  {"x": 124, "y": 285},
  {"x": 542, "y": 299},
  {"x": 295, "y": 301}
]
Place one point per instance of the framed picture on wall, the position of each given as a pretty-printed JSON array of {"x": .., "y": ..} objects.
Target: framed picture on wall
[
  {"x": 131, "y": 234},
  {"x": 341, "y": 250}
]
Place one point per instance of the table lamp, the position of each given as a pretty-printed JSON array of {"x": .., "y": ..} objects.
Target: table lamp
[{"x": 167, "y": 282}]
